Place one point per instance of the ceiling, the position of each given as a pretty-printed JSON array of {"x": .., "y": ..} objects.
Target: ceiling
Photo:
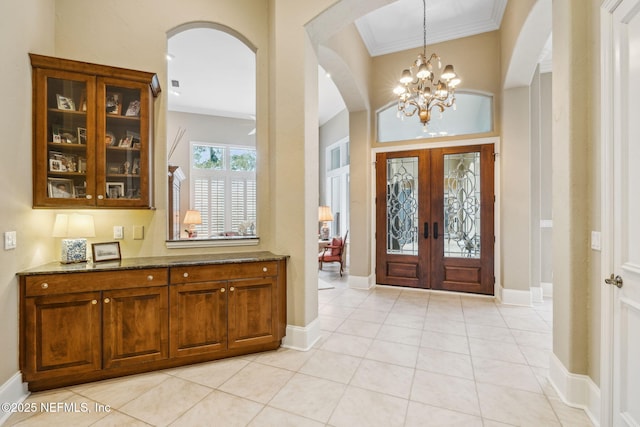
[{"x": 208, "y": 85}]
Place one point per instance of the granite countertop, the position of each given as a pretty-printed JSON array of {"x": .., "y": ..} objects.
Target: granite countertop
[{"x": 153, "y": 262}]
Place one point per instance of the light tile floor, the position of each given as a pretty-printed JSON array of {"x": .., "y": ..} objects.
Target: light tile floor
[{"x": 387, "y": 357}]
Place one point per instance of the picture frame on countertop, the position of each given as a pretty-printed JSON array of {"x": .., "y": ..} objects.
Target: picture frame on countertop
[{"x": 109, "y": 251}]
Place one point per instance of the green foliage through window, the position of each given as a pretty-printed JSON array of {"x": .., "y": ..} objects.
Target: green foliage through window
[
  {"x": 243, "y": 159},
  {"x": 208, "y": 157}
]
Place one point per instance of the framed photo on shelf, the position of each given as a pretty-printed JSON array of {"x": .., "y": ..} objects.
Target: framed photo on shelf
[
  {"x": 115, "y": 190},
  {"x": 82, "y": 165},
  {"x": 55, "y": 165},
  {"x": 125, "y": 142},
  {"x": 82, "y": 136},
  {"x": 65, "y": 103},
  {"x": 114, "y": 169},
  {"x": 110, "y": 139},
  {"x": 113, "y": 103},
  {"x": 133, "y": 110},
  {"x": 61, "y": 188},
  {"x": 61, "y": 134},
  {"x": 106, "y": 251}
]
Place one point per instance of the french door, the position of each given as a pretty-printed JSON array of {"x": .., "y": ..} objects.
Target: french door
[{"x": 434, "y": 226}]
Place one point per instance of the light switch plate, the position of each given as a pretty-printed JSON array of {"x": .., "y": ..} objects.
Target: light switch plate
[
  {"x": 10, "y": 240},
  {"x": 118, "y": 232},
  {"x": 138, "y": 232}
]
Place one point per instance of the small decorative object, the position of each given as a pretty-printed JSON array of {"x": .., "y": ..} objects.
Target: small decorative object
[
  {"x": 126, "y": 167},
  {"x": 82, "y": 136},
  {"x": 191, "y": 218},
  {"x": 324, "y": 215},
  {"x": 133, "y": 109},
  {"x": 65, "y": 103},
  {"x": 115, "y": 190},
  {"x": 109, "y": 139},
  {"x": 136, "y": 167},
  {"x": 113, "y": 103},
  {"x": 74, "y": 228},
  {"x": 106, "y": 251}
]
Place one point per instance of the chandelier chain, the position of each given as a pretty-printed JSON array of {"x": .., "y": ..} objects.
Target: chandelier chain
[{"x": 424, "y": 28}]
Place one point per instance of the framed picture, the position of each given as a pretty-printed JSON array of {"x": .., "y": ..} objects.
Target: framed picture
[
  {"x": 82, "y": 165},
  {"x": 133, "y": 109},
  {"x": 81, "y": 191},
  {"x": 106, "y": 251},
  {"x": 83, "y": 101},
  {"x": 125, "y": 142},
  {"x": 114, "y": 169},
  {"x": 113, "y": 103},
  {"x": 55, "y": 165},
  {"x": 65, "y": 103},
  {"x": 82, "y": 135},
  {"x": 110, "y": 139},
  {"x": 61, "y": 134},
  {"x": 115, "y": 190},
  {"x": 60, "y": 188}
]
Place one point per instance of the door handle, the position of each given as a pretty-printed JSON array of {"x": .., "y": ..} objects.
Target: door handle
[
  {"x": 614, "y": 280},
  {"x": 426, "y": 230},
  {"x": 435, "y": 230}
]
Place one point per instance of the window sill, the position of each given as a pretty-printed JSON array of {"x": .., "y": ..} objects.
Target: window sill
[{"x": 212, "y": 243}]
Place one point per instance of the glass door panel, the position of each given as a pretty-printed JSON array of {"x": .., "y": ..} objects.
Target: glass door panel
[
  {"x": 462, "y": 205},
  {"x": 402, "y": 206}
]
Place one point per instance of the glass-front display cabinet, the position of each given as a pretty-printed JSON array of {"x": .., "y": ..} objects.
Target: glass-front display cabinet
[{"x": 92, "y": 136}]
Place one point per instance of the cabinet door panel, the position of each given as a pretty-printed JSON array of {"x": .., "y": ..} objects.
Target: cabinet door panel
[
  {"x": 198, "y": 318},
  {"x": 136, "y": 326},
  {"x": 252, "y": 312},
  {"x": 62, "y": 334}
]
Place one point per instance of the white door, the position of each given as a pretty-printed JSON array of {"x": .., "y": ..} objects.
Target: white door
[{"x": 623, "y": 193}]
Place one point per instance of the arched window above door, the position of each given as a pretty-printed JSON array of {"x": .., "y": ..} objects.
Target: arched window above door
[{"x": 473, "y": 115}]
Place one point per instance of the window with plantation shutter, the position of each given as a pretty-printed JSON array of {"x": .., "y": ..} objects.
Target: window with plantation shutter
[{"x": 224, "y": 189}]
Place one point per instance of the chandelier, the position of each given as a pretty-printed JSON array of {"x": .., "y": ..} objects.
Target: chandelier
[{"x": 419, "y": 91}]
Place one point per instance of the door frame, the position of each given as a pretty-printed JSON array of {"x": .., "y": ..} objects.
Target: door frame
[{"x": 427, "y": 144}]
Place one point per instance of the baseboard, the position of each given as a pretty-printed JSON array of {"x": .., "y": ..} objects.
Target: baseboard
[
  {"x": 302, "y": 338},
  {"x": 547, "y": 289},
  {"x": 537, "y": 294},
  {"x": 362, "y": 282},
  {"x": 578, "y": 391},
  {"x": 516, "y": 297},
  {"x": 12, "y": 391}
]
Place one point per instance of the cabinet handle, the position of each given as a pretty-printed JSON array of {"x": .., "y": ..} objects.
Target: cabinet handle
[
  {"x": 222, "y": 290},
  {"x": 231, "y": 289},
  {"x": 94, "y": 302},
  {"x": 150, "y": 277},
  {"x": 89, "y": 196},
  {"x": 107, "y": 300},
  {"x": 100, "y": 197},
  {"x": 264, "y": 269},
  {"x": 185, "y": 275},
  {"x": 45, "y": 285}
]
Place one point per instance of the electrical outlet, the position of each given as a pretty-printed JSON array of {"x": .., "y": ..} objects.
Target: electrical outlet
[
  {"x": 118, "y": 232},
  {"x": 10, "y": 240}
]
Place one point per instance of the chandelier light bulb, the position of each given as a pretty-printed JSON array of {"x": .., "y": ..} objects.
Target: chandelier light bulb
[
  {"x": 448, "y": 73},
  {"x": 406, "y": 77}
]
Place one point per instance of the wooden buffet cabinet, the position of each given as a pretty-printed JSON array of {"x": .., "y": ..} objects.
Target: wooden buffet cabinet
[{"x": 81, "y": 323}]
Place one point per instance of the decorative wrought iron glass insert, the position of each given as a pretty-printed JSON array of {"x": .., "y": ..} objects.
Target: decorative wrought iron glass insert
[
  {"x": 462, "y": 205},
  {"x": 402, "y": 206}
]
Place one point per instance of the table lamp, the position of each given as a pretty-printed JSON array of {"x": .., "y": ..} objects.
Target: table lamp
[
  {"x": 324, "y": 215},
  {"x": 191, "y": 218},
  {"x": 73, "y": 228}
]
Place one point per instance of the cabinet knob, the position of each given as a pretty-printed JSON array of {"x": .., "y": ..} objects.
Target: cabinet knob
[
  {"x": 45, "y": 285},
  {"x": 100, "y": 197},
  {"x": 94, "y": 302},
  {"x": 232, "y": 289},
  {"x": 89, "y": 196},
  {"x": 222, "y": 290},
  {"x": 185, "y": 274},
  {"x": 264, "y": 269},
  {"x": 107, "y": 300},
  {"x": 150, "y": 277}
]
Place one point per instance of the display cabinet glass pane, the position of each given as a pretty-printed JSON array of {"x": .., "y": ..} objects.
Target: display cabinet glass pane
[{"x": 66, "y": 139}]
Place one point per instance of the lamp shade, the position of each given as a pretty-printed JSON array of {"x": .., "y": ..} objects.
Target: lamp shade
[
  {"x": 324, "y": 213},
  {"x": 74, "y": 225},
  {"x": 192, "y": 217}
]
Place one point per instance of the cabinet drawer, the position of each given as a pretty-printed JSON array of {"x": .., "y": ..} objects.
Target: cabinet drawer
[
  {"x": 207, "y": 273},
  {"x": 51, "y": 284}
]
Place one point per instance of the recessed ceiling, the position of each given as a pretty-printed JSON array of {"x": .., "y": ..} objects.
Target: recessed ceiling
[
  {"x": 399, "y": 25},
  {"x": 216, "y": 71}
]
